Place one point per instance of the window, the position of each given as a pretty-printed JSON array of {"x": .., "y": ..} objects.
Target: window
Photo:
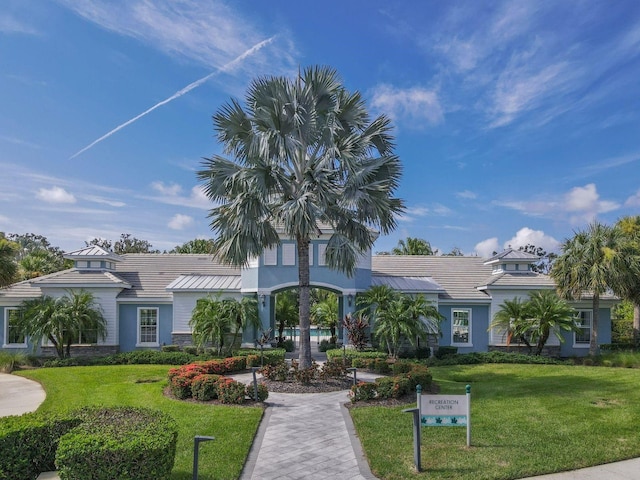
[
  {"x": 288, "y": 254},
  {"x": 270, "y": 256},
  {"x": 13, "y": 335},
  {"x": 583, "y": 322},
  {"x": 461, "y": 326},
  {"x": 322, "y": 251},
  {"x": 148, "y": 326}
]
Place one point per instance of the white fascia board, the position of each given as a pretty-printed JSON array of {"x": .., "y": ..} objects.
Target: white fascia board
[
  {"x": 162, "y": 300},
  {"x": 475, "y": 301}
]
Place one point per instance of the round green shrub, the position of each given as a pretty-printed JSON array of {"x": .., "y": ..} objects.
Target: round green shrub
[
  {"x": 263, "y": 392},
  {"x": 205, "y": 387},
  {"x": 124, "y": 443}
]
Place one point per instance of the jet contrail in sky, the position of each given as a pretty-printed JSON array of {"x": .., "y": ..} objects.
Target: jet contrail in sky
[{"x": 179, "y": 93}]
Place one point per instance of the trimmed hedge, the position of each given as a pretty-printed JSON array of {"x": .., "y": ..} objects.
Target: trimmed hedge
[
  {"x": 272, "y": 356},
  {"x": 351, "y": 353},
  {"x": 493, "y": 357},
  {"x": 28, "y": 443},
  {"x": 409, "y": 376},
  {"x": 96, "y": 443},
  {"x": 152, "y": 357},
  {"x": 125, "y": 443}
]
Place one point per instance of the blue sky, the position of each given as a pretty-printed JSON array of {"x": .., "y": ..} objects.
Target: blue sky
[{"x": 517, "y": 122}]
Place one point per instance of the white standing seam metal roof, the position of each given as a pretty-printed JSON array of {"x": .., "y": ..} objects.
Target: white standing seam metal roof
[
  {"x": 408, "y": 284},
  {"x": 206, "y": 283}
]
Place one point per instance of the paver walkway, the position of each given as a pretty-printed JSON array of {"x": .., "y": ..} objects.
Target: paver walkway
[{"x": 306, "y": 436}]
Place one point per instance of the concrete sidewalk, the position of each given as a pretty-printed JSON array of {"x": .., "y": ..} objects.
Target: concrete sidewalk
[{"x": 19, "y": 395}]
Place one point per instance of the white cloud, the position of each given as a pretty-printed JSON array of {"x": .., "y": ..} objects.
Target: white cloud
[
  {"x": 413, "y": 106},
  {"x": 526, "y": 236},
  {"x": 413, "y": 213},
  {"x": 180, "y": 222},
  {"x": 9, "y": 24},
  {"x": 578, "y": 205},
  {"x": 467, "y": 195},
  {"x": 171, "y": 189},
  {"x": 105, "y": 201},
  {"x": 486, "y": 247},
  {"x": 172, "y": 194},
  {"x": 633, "y": 200},
  {"x": 210, "y": 33},
  {"x": 55, "y": 195}
]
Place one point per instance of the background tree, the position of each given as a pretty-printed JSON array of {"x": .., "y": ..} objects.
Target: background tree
[
  {"x": 8, "y": 264},
  {"x": 324, "y": 311},
  {"x": 243, "y": 314},
  {"x": 209, "y": 322},
  {"x": 413, "y": 246},
  {"x": 546, "y": 258},
  {"x": 303, "y": 153},
  {"x": 286, "y": 311},
  {"x": 37, "y": 257},
  {"x": 62, "y": 320},
  {"x": 586, "y": 267},
  {"x": 627, "y": 267},
  {"x": 622, "y": 330},
  {"x": 397, "y": 317},
  {"x": 547, "y": 313},
  {"x": 197, "y": 245},
  {"x": 127, "y": 243},
  {"x": 455, "y": 252}
]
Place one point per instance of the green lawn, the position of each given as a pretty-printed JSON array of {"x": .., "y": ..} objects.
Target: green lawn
[
  {"x": 526, "y": 420},
  {"x": 142, "y": 385}
]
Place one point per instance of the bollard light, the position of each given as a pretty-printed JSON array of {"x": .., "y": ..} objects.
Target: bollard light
[
  {"x": 196, "y": 446},
  {"x": 353, "y": 370}
]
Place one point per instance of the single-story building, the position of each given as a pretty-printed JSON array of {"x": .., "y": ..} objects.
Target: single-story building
[{"x": 147, "y": 299}]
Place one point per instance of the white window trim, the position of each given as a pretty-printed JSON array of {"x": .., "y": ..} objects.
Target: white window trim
[
  {"x": 6, "y": 331},
  {"x": 582, "y": 344},
  {"x": 138, "y": 326},
  {"x": 470, "y": 341}
]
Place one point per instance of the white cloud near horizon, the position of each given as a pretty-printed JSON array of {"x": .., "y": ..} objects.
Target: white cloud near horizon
[
  {"x": 412, "y": 106},
  {"x": 55, "y": 194},
  {"x": 523, "y": 237},
  {"x": 180, "y": 222},
  {"x": 467, "y": 195},
  {"x": 411, "y": 214}
]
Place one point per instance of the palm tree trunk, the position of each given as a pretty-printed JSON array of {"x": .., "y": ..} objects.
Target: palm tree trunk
[
  {"x": 593, "y": 342},
  {"x": 304, "y": 357}
]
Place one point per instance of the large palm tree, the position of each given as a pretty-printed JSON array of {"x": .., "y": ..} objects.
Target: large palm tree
[
  {"x": 301, "y": 153},
  {"x": 586, "y": 267},
  {"x": 546, "y": 313}
]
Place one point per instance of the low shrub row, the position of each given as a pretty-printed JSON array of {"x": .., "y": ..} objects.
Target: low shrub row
[
  {"x": 255, "y": 356},
  {"x": 326, "y": 345},
  {"x": 348, "y": 354},
  {"x": 97, "y": 443},
  {"x": 409, "y": 375},
  {"x": 204, "y": 381},
  {"x": 282, "y": 372},
  {"x": 492, "y": 357}
]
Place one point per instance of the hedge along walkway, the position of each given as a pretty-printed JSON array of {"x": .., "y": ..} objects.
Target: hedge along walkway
[{"x": 306, "y": 436}]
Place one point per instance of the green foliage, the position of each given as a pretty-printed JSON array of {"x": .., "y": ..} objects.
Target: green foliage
[
  {"x": 63, "y": 321},
  {"x": 170, "y": 348},
  {"x": 409, "y": 375},
  {"x": 445, "y": 351},
  {"x": 327, "y": 345},
  {"x": 199, "y": 245},
  {"x": 398, "y": 317},
  {"x": 622, "y": 323},
  {"x": 377, "y": 365},
  {"x": 137, "y": 357},
  {"x": 124, "y": 443},
  {"x": 8, "y": 264},
  {"x": 230, "y": 391},
  {"x": 413, "y": 246},
  {"x": 271, "y": 356},
  {"x": 10, "y": 360},
  {"x": 333, "y": 369},
  {"x": 288, "y": 345},
  {"x": 491, "y": 357},
  {"x": 263, "y": 392},
  {"x": 349, "y": 354},
  {"x": 28, "y": 443},
  {"x": 204, "y": 387},
  {"x": 278, "y": 372}
]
